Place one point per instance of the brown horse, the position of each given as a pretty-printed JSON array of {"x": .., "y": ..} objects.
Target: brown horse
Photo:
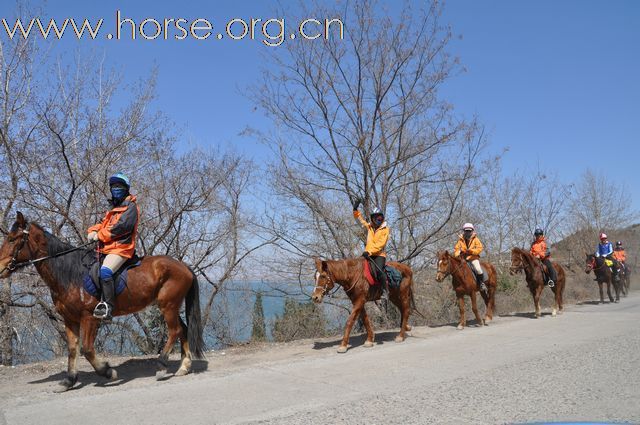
[
  {"x": 603, "y": 275},
  {"x": 523, "y": 260},
  {"x": 159, "y": 279},
  {"x": 463, "y": 280},
  {"x": 350, "y": 275}
]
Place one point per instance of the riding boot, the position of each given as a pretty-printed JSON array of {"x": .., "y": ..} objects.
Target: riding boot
[
  {"x": 104, "y": 310},
  {"x": 483, "y": 282}
]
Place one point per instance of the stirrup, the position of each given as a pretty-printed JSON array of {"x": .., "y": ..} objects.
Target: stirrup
[
  {"x": 102, "y": 311},
  {"x": 551, "y": 283}
]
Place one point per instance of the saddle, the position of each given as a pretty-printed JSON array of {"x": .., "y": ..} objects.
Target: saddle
[
  {"x": 477, "y": 276},
  {"x": 91, "y": 281},
  {"x": 394, "y": 277},
  {"x": 545, "y": 271}
]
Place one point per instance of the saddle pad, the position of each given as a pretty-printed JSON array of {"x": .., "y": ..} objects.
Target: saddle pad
[
  {"x": 120, "y": 278},
  {"x": 394, "y": 277}
]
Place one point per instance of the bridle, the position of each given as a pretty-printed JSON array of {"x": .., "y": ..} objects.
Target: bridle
[
  {"x": 15, "y": 265},
  {"x": 449, "y": 270},
  {"x": 324, "y": 288},
  {"x": 24, "y": 240},
  {"x": 593, "y": 262}
]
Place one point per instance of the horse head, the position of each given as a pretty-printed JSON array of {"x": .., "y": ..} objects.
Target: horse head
[
  {"x": 324, "y": 281},
  {"x": 590, "y": 263},
  {"x": 517, "y": 261},
  {"x": 444, "y": 265},
  {"x": 16, "y": 247}
]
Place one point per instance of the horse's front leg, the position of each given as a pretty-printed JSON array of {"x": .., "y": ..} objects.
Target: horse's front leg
[
  {"x": 474, "y": 308},
  {"x": 536, "y": 300},
  {"x": 358, "y": 305},
  {"x": 72, "y": 330},
  {"x": 601, "y": 292},
  {"x": 89, "y": 329},
  {"x": 368, "y": 327}
]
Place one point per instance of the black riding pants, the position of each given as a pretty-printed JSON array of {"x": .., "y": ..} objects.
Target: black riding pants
[
  {"x": 552, "y": 271},
  {"x": 380, "y": 261}
]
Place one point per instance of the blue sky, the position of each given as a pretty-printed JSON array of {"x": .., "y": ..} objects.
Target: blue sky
[{"x": 557, "y": 82}]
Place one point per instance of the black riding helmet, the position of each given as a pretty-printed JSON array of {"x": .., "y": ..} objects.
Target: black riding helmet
[{"x": 538, "y": 232}]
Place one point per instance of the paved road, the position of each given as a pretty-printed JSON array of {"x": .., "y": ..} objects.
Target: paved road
[{"x": 583, "y": 365}]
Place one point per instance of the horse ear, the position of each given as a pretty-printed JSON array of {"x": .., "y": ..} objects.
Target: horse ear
[
  {"x": 324, "y": 266},
  {"x": 318, "y": 264},
  {"x": 20, "y": 220}
]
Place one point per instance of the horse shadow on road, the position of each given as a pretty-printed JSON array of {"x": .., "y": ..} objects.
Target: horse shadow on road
[
  {"x": 127, "y": 371},
  {"x": 358, "y": 340}
]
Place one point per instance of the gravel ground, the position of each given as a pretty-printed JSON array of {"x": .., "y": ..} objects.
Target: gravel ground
[{"x": 582, "y": 365}]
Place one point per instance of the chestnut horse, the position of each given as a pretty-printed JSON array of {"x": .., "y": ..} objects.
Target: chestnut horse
[
  {"x": 463, "y": 280},
  {"x": 349, "y": 274},
  {"x": 603, "y": 275},
  {"x": 158, "y": 279},
  {"x": 523, "y": 260}
]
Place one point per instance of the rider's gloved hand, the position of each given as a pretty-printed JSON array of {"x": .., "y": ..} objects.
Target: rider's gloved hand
[{"x": 92, "y": 237}]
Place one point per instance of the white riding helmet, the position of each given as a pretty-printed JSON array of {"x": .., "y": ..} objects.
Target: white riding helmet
[{"x": 468, "y": 226}]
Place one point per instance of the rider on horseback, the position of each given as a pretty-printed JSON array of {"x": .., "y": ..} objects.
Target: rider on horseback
[
  {"x": 605, "y": 250},
  {"x": 377, "y": 236},
  {"x": 540, "y": 250},
  {"x": 116, "y": 237},
  {"x": 470, "y": 247},
  {"x": 620, "y": 254}
]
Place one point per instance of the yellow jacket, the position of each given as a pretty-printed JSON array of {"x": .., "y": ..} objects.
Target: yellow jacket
[
  {"x": 474, "y": 248},
  {"x": 376, "y": 238}
]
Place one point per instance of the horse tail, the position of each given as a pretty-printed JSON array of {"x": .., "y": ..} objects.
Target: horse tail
[
  {"x": 194, "y": 320},
  {"x": 412, "y": 298}
]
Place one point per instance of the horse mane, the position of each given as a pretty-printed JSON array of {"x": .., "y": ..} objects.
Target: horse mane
[{"x": 69, "y": 269}]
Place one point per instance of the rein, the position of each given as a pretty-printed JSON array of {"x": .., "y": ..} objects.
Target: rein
[{"x": 15, "y": 265}]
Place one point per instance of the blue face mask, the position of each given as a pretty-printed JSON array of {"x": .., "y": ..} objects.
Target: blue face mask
[
  {"x": 378, "y": 221},
  {"x": 118, "y": 194}
]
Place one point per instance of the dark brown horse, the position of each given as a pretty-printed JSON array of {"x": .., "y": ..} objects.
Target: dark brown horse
[
  {"x": 158, "y": 279},
  {"x": 463, "y": 280},
  {"x": 603, "y": 275},
  {"x": 523, "y": 260},
  {"x": 625, "y": 279},
  {"x": 350, "y": 275}
]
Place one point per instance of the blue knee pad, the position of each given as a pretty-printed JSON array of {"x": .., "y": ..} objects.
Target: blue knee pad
[{"x": 106, "y": 273}]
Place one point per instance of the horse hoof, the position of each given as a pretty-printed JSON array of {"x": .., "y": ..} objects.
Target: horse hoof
[
  {"x": 62, "y": 388},
  {"x": 554, "y": 313},
  {"x": 112, "y": 374},
  {"x": 181, "y": 372},
  {"x": 460, "y": 327},
  {"x": 479, "y": 325},
  {"x": 342, "y": 349},
  {"x": 399, "y": 339},
  {"x": 161, "y": 374},
  {"x": 368, "y": 344}
]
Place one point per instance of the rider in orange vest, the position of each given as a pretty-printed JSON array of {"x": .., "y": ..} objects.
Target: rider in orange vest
[
  {"x": 470, "y": 247},
  {"x": 377, "y": 237},
  {"x": 540, "y": 250},
  {"x": 620, "y": 255},
  {"x": 116, "y": 235}
]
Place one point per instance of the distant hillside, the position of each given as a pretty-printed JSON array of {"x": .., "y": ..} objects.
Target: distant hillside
[{"x": 572, "y": 249}]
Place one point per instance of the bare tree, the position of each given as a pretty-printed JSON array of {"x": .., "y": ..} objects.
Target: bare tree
[{"x": 361, "y": 118}]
